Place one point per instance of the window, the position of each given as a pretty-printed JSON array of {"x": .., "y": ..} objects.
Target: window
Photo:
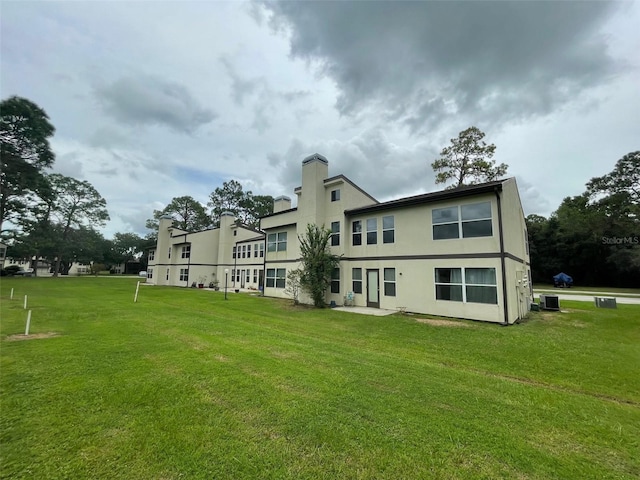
[
  {"x": 356, "y": 229},
  {"x": 526, "y": 241},
  {"x": 152, "y": 254},
  {"x": 390, "y": 282},
  {"x": 255, "y": 249},
  {"x": 167, "y": 274},
  {"x": 149, "y": 272},
  {"x": 372, "y": 231},
  {"x": 477, "y": 286},
  {"x": 388, "y": 229},
  {"x": 335, "y": 195},
  {"x": 276, "y": 242},
  {"x": 244, "y": 251},
  {"x": 356, "y": 276},
  {"x": 465, "y": 221},
  {"x": 255, "y": 273},
  {"x": 335, "y": 234},
  {"x": 261, "y": 250},
  {"x": 445, "y": 223},
  {"x": 476, "y": 220},
  {"x": 248, "y": 277},
  {"x": 335, "y": 280},
  {"x": 233, "y": 255},
  {"x": 169, "y": 254},
  {"x": 480, "y": 285},
  {"x": 233, "y": 274},
  {"x": 238, "y": 275},
  {"x": 449, "y": 284},
  {"x": 184, "y": 274},
  {"x": 235, "y": 233},
  {"x": 186, "y": 251},
  {"x": 276, "y": 277},
  {"x": 249, "y": 251}
]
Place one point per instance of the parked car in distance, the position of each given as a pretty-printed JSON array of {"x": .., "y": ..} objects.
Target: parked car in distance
[
  {"x": 143, "y": 273},
  {"x": 26, "y": 273}
]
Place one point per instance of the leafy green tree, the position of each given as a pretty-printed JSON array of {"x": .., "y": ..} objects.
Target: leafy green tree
[
  {"x": 468, "y": 160},
  {"x": 124, "y": 247},
  {"x": 317, "y": 263},
  {"x": 189, "y": 215},
  {"x": 78, "y": 205},
  {"x": 24, "y": 154},
  {"x": 245, "y": 206}
]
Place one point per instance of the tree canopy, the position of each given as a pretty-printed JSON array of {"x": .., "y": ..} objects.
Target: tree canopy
[
  {"x": 245, "y": 206},
  {"x": 189, "y": 215},
  {"x": 25, "y": 153},
  {"x": 468, "y": 160}
]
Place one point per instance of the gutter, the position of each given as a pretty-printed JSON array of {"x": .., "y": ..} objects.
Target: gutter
[{"x": 502, "y": 261}]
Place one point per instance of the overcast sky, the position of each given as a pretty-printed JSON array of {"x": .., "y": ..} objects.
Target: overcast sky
[{"x": 154, "y": 100}]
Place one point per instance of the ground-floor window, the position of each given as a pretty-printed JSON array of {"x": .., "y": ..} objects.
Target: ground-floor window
[
  {"x": 248, "y": 277},
  {"x": 150, "y": 273},
  {"x": 390, "y": 282},
  {"x": 276, "y": 277},
  {"x": 184, "y": 274},
  {"x": 356, "y": 276},
  {"x": 335, "y": 280},
  {"x": 255, "y": 275},
  {"x": 473, "y": 285},
  {"x": 167, "y": 274}
]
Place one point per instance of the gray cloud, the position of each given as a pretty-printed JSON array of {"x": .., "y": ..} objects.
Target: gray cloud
[
  {"x": 424, "y": 62},
  {"x": 149, "y": 100}
]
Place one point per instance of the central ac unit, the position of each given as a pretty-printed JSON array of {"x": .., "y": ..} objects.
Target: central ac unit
[{"x": 549, "y": 302}]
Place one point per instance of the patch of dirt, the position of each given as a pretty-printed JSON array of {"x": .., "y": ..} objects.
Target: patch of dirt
[
  {"x": 442, "y": 323},
  {"x": 33, "y": 336}
]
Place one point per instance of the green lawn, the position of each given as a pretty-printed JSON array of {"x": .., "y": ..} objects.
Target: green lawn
[{"x": 186, "y": 385}]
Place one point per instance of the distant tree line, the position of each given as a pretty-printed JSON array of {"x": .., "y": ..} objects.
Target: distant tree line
[
  {"x": 595, "y": 236},
  {"x": 55, "y": 217}
]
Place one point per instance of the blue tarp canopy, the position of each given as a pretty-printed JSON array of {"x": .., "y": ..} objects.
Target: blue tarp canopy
[{"x": 562, "y": 278}]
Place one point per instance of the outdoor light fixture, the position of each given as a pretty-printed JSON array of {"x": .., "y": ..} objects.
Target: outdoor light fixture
[{"x": 226, "y": 276}]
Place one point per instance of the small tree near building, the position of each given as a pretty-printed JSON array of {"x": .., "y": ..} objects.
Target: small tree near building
[
  {"x": 293, "y": 285},
  {"x": 317, "y": 263}
]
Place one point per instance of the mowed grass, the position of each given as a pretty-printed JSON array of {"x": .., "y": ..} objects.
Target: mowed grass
[{"x": 186, "y": 385}]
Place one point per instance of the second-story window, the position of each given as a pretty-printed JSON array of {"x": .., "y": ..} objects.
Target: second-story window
[
  {"x": 335, "y": 234},
  {"x": 261, "y": 250},
  {"x": 186, "y": 251},
  {"x": 152, "y": 254},
  {"x": 335, "y": 195},
  {"x": 277, "y": 242},
  {"x": 356, "y": 232},
  {"x": 372, "y": 231},
  {"x": 388, "y": 229},
  {"x": 233, "y": 255}
]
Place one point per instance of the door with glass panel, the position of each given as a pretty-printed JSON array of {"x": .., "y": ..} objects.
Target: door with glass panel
[{"x": 373, "y": 289}]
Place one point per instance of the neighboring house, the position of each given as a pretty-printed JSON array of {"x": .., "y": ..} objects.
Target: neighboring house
[
  {"x": 460, "y": 253},
  {"x": 44, "y": 266},
  {"x": 182, "y": 258}
]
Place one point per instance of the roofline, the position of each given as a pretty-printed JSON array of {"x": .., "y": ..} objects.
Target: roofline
[
  {"x": 331, "y": 179},
  {"x": 459, "y": 192},
  {"x": 280, "y": 212}
]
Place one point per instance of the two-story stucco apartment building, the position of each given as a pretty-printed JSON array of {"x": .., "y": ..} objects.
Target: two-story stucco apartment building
[
  {"x": 232, "y": 252},
  {"x": 457, "y": 253}
]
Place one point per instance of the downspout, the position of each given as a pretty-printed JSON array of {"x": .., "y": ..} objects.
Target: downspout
[{"x": 502, "y": 261}]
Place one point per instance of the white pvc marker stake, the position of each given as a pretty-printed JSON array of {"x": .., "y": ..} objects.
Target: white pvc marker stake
[
  {"x": 26, "y": 330},
  {"x": 135, "y": 299},
  {"x": 25, "y": 302},
  {"x": 12, "y": 294}
]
